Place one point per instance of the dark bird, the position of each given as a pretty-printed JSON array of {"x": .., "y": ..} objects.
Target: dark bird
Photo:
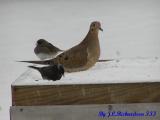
[
  {"x": 53, "y": 72},
  {"x": 45, "y": 50},
  {"x": 80, "y": 57}
]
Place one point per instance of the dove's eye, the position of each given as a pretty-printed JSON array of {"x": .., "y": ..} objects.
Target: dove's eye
[{"x": 94, "y": 25}]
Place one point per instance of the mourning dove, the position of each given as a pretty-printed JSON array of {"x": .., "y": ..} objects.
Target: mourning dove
[
  {"x": 53, "y": 72},
  {"x": 80, "y": 57},
  {"x": 45, "y": 50}
]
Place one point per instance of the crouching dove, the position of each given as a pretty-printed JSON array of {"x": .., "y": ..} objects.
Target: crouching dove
[
  {"x": 80, "y": 57},
  {"x": 46, "y": 50}
]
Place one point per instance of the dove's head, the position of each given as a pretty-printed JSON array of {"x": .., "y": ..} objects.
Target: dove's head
[
  {"x": 95, "y": 26},
  {"x": 41, "y": 42}
]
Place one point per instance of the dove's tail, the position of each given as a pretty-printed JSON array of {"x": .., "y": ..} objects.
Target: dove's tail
[
  {"x": 37, "y": 68},
  {"x": 105, "y": 60},
  {"x": 45, "y": 62}
]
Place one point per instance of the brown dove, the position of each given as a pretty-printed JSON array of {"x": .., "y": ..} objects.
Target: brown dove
[
  {"x": 45, "y": 50},
  {"x": 80, "y": 57}
]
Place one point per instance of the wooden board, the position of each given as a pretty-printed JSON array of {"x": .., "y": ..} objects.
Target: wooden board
[
  {"x": 85, "y": 94},
  {"x": 149, "y": 111}
]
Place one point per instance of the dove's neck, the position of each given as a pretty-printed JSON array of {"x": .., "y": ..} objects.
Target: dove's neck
[{"x": 92, "y": 36}]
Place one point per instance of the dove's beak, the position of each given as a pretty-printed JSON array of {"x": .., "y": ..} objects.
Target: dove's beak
[{"x": 100, "y": 29}]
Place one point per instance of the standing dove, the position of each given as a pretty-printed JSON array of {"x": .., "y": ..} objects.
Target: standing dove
[
  {"x": 80, "y": 57},
  {"x": 45, "y": 50}
]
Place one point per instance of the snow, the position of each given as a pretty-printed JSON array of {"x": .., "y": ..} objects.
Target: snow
[
  {"x": 131, "y": 30},
  {"x": 117, "y": 71}
]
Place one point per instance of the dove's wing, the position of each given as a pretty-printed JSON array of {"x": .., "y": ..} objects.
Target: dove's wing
[{"x": 75, "y": 57}]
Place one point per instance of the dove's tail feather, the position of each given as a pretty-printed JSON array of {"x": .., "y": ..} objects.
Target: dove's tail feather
[
  {"x": 105, "y": 60},
  {"x": 45, "y": 62},
  {"x": 34, "y": 67},
  {"x": 51, "y": 62}
]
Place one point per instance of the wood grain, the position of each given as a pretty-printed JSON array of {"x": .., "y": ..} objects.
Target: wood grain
[{"x": 85, "y": 94}]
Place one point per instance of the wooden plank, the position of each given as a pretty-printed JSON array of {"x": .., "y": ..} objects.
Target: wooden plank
[
  {"x": 87, "y": 112},
  {"x": 85, "y": 94}
]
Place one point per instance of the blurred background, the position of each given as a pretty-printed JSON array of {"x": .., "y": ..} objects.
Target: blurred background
[{"x": 131, "y": 30}]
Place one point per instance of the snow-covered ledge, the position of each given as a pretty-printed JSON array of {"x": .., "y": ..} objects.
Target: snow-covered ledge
[
  {"x": 119, "y": 81},
  {"x": 132, "y": 70}
]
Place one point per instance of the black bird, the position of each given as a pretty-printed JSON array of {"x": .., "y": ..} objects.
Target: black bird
[{"x": 53, "y": 72}]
